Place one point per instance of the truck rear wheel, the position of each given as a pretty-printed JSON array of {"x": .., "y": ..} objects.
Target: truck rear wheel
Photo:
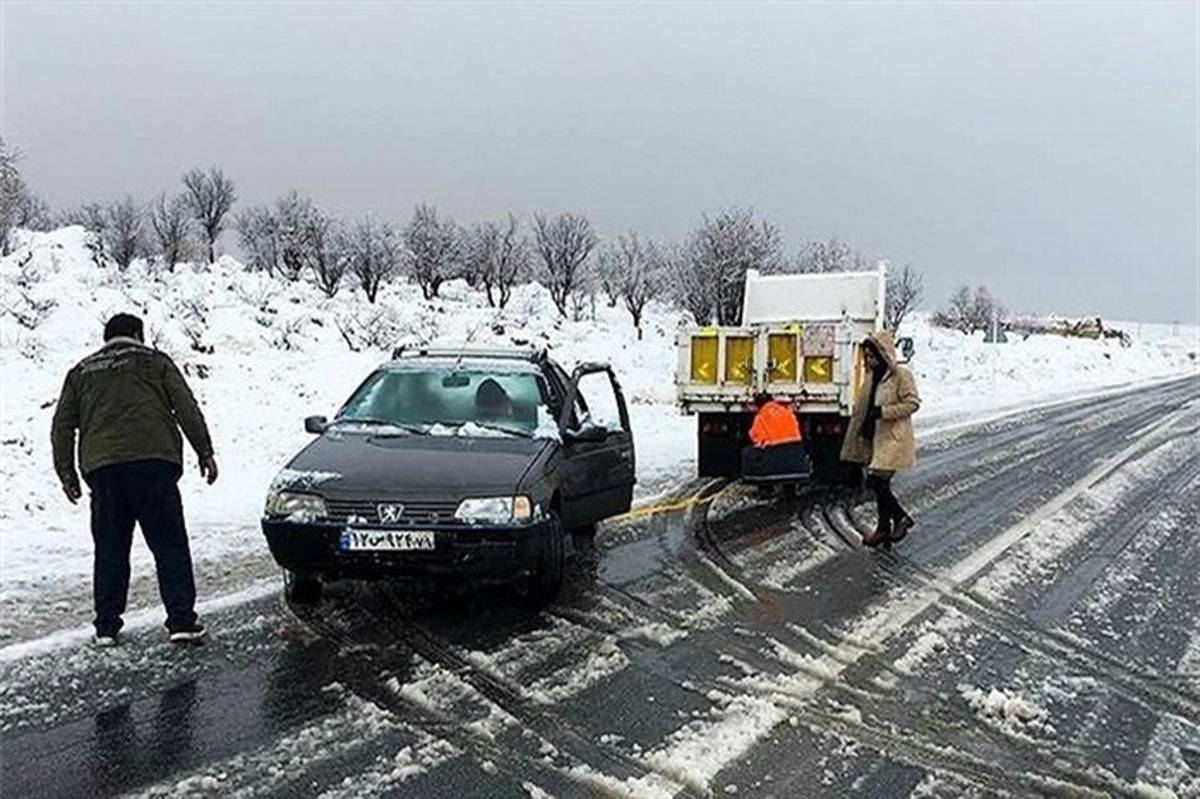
[
  {"x": 720, "y": 438},
  {"x": 825, "y": 449}
]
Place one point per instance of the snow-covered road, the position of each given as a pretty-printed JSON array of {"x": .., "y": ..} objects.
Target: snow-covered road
[{"x": 1037, "y": 634}]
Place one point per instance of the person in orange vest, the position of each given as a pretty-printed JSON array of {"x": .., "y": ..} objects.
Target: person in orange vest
[
  {"x": 774, "y": 423},
  {"x": 777, "y": 449}
]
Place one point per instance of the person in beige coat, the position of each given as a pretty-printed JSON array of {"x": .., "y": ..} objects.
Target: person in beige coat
[{"x": 880, "y": 433}]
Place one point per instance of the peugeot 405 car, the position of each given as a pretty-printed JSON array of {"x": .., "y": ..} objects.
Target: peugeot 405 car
[{"x": 473, "y": 464}]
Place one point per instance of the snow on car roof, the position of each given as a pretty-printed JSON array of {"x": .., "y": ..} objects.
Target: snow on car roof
[{"x": 479, "y": 364}]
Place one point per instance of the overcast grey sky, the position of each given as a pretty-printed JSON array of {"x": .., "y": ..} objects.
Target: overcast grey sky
[{"x": 1048, "y": 150}]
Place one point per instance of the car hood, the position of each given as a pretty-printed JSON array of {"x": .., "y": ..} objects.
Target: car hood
[{"x": 350, "y": 464}]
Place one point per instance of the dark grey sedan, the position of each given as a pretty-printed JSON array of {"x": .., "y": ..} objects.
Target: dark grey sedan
[{"x": 473, "y": 464}]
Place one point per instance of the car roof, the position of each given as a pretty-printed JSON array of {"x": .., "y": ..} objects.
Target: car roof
[{"x": 497, "y": 365}]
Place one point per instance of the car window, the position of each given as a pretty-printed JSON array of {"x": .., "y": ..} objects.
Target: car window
[
  {"x": 451, "y": 401},
  {"x": 598, "y": 401}
]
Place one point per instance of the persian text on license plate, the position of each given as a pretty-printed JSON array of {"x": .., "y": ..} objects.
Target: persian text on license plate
[{"x": 386, "y": 541}]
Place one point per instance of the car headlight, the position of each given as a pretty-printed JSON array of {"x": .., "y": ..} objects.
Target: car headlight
[
  {"x": 495, "y": 510},
  {"x": 290, "y": 503}
]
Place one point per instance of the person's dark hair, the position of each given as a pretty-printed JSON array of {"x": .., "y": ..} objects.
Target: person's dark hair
[
  {"x": 490, "y": 394},
  {"x": 870, "y": 344},
  {"x": 124, "y": 325}
]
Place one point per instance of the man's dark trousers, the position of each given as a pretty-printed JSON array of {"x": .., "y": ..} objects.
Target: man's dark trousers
[{"x": 145, "y": 492}]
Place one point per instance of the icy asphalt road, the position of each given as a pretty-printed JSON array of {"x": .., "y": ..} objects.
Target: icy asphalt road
[{"x": 1039, "y": 633}]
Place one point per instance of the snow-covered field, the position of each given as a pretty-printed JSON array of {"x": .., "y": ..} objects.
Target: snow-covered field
[{"x": 261, "y": 354}]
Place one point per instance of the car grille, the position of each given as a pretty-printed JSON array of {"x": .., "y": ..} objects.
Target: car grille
[{"x": 416, "y": 512}]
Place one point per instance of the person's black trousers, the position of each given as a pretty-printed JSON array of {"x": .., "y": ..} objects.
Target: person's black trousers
[
  {"x": 889, "y": 508},
  {"x": 145, "y": 492}
]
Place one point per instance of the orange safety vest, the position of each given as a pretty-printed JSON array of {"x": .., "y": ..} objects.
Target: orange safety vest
[{"x": 774, "y": 424}]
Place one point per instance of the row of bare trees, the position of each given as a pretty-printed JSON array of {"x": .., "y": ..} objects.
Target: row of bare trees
[
  {"x": 171, "y": 228},
  {"x": 294, "y": 239}
]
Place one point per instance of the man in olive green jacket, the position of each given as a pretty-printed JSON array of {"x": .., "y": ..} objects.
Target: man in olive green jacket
[{"x": 128, "y": 403}]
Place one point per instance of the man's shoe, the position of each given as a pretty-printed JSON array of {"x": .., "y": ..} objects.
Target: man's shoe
[
  {"x": 901, "y": 528},
  {"x": 191, "y": 634},
  {"x": 880, "y": 536},
  {"x": 104, "y": 641}
]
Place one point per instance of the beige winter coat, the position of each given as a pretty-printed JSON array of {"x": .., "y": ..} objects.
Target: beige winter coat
[{"x": 893, "y": 447}]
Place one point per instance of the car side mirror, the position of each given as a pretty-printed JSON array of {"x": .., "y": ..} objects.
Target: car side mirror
[
  {"x": 588, "y": 434},
  {"x": 315, "y": 425},
  {"x": 906, "y": 347}
]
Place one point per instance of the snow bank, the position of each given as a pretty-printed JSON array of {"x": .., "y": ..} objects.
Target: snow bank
[{"x": 261, "y": 354}]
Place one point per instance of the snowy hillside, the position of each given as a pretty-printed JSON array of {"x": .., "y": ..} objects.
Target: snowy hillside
[{"x": 261, "y": 354}]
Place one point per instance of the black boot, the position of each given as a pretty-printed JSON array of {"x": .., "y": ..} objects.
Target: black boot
[
  {"x": 881, "y": 535},
  {"x": 901, "y": 528}
]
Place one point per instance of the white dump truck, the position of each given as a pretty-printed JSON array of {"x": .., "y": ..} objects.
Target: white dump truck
[{"x": 798, "y": 342}]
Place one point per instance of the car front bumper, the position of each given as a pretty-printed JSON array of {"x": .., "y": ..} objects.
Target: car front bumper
[{"x": 490, "y": 553}]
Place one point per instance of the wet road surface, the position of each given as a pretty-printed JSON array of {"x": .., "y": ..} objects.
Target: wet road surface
[{"x": 1037, "y": 634}]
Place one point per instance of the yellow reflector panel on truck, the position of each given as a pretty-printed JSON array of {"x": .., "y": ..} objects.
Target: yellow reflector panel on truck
[
  {"x": 739, "y": 359},
  {"x": 781, "y": 351},
  {"x": 818, "y": 370},
  {"x": 704, "y": 359}
]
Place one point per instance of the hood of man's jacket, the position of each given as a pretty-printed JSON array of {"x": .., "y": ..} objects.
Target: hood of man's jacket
[{"x": 886, "y": 345}]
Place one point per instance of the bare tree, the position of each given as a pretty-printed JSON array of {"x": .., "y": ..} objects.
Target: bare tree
[
  {"x": 291, "y": 215},
  {"x": 373, "y": 251},
  {"x": 563, "y": 244},
  {"x": 33, "y": 213},
  {"x": 210, "y": 195},
  {"x": 124, "y": 234},
  {"x": 18, "y": 207},
  {"x": 969, "y": 312},
  {"x": 719, "y": 254},
  {"x": 608, "y": 271},
  {"x": 904, "y": 288},
  {"x": 323, "y": 251},
  {"x": 640, "y": 274},
  {"x": 834, "y": 255},
  {"x": 257, "y": 236},
  {"x": 171, "y": 221},
  {"x": 498, "y": 254},
  {"x": 432, "y": 249}
]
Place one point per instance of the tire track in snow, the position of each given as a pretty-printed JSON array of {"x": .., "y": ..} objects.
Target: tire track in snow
[{"x": 877, "y": 626}]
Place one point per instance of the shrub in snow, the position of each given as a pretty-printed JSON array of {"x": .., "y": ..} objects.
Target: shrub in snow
[{"x": 385, "y": 327}]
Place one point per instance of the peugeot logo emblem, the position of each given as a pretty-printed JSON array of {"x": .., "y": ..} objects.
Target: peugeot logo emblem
[{"x": 390, "y": 514}]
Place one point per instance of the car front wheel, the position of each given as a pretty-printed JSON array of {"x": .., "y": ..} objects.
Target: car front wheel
[
  {"x": 547, "y": 581},
  {"x": 302, "y": 588}
]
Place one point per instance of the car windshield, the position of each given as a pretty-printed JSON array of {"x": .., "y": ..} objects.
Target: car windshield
[{"x": 465, "y": 401}]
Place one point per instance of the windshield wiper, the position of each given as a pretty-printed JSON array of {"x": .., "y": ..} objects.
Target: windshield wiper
[{"x": 374, "y": 422}]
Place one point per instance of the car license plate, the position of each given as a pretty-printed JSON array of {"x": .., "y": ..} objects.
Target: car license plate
[{"x": 386, "y": 541}]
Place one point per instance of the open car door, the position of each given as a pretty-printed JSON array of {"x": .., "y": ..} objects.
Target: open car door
[{"x": 599, "y": 463}]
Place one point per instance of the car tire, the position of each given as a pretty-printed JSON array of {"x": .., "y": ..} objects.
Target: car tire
[
  {"x": 547, "y": 581},
  {"x": 585, "y": 533},
  {"x": 302, "y": 588}
]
